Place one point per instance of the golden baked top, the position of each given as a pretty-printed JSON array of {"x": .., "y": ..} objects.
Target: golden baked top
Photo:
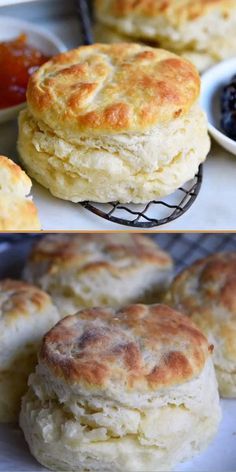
[
  {"x": 17, "y": 210},
  {"x": 206, "y": 291},
  {"x": 112, "y": 89},
  {"x": 138, "y": 348},
  {"x": 176, "y": 12},
  {"x": 118, "y": 253},
  {"x": 21, "y": 300},
  {"x": 13, "y": 178}
]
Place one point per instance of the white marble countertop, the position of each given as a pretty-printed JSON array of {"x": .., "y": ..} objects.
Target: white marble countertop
[{"x": 214, "y": 209}]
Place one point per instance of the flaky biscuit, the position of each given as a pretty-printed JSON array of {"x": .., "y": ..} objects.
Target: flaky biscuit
[
  {"x": 111, "y": 122},
  {"x": 206, "y": 292},
  {"x": 85, "y": 270},
  {"x": 131, "y": 389},
  {"x": 17, "y": 210},
  {"x": 203, "y": 30},
  {"x": 26, "y": 314}
]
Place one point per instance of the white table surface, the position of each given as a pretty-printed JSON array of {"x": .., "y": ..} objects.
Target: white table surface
[{"x": 214, "y": 209}]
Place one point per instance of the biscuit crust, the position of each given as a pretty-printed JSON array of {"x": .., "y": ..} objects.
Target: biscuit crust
[
  {"x": 19, "y": 299},
  {"x": 26, "y": 314},
  {"x": 17, "y": 210},
  {"x": 206, "y": 292},
  {"x": 176, "y": 12},
  {"x": 112, "y": 88},
  {"x": 99, "y": 270},
  {"x": 140, "y": 347}
]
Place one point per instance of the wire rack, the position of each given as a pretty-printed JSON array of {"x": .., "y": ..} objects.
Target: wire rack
[
  {"x": 185, "y": 248},
  {"x": 156, "y": 212}
]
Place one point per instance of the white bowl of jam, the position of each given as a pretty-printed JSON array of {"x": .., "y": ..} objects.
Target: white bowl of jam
[
  {"x": 23, "y": 49},
  {"x": 214, "y": 83}
]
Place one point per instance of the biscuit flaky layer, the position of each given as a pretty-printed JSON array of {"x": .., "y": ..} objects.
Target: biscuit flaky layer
[
  {"x": 129, "y": 390},
  {"x": 206, "y": 292},
  {"x": 96, "y": 270},
  {"x": 128, "y": 168},
  {"x": 26, "y": 314},
  {"x": 17, "y": 210},
  {"x": 115, "y": 88},
  {"x": 202, "y": 31}
]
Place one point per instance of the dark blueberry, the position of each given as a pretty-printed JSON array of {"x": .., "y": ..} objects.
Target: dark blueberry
[
  {"x": 228, "y": 123},
  {"x": 228, "y": 98}
]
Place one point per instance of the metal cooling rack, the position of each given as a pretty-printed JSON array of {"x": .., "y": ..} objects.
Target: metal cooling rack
[
  {"x": 156, "y": 212},
  {"x": 185, "y": 248}
]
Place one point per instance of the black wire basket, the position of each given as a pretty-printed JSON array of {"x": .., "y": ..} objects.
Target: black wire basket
[{"x": 156, "y": 212}]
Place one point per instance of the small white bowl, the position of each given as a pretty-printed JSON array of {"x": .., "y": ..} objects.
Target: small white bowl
[
  {"x": 212, "y": 83},
  {"x": 46, "y": 42}
]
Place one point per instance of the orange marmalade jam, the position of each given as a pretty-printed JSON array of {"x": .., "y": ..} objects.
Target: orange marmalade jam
[{"x": 18, "y": 60}]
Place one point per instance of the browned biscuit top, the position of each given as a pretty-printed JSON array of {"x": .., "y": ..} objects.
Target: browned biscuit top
[
  {"x": 21, "y": 300},
  {"x": 139, "y": 347},
  {"x": 176, "y": 12},
  {"x": 206, "y": 291},
  {"x": 112, "y": 88},
  {"x": 12, "y": 178},
  {"x": 118, "y": 253}
]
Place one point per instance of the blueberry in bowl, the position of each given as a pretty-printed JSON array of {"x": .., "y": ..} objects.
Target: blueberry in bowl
[{"x": 228, "y": 109}]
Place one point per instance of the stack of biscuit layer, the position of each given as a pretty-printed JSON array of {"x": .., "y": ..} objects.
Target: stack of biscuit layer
[
  {"x": 113, "y": 123},
  {"x": 203, "y": 31}
]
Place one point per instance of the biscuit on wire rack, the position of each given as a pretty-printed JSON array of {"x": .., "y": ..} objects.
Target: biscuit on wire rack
[{"x": 111, "y": 123}]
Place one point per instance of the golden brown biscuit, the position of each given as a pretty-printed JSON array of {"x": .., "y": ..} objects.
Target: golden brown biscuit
[
  {"x": 112, "y": 88},
  {"x": 17, "y": 210},
  {"x": 111, "y": 122},
  {"x": 203, "y": 31},
  {"x": 26, "y": 314},
  {"x": 131, "y": 389},
  {"x": 206, "y": 292},
  {"x": 84, "y": 270}
]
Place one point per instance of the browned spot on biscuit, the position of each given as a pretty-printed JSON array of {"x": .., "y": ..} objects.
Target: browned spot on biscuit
[
  {"x": 82, "y": 92},
  {"x": 20, "y": 299},
  {"x": 176, "y": 11},
  {"x": 174, "y": 366},
  {"x": 145, "y": 55}
]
